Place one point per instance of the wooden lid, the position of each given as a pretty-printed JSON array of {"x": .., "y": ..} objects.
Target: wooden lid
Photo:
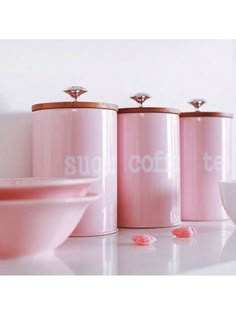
[
  {"x": 148, "y": 110},
  {"x": 140, "y": 98},
  {"x": 197, "y": 104},
  {"x": 55, "y": 105},
  {"x": 74, "y": 92},
  {"x": 206, "y": 114}
]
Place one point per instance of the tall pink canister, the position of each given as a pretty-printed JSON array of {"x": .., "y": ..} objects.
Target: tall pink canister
[
  {"x": 148, "y": 166},
  {"x": 79, "y": 139},
  {"x": 205, "y": 160}
]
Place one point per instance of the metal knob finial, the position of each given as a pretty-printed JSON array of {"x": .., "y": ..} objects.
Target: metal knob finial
[
  {"x": 140, "y": 98},
  {"x": 75, "y": 91},
  {"x": 197, "y": 103}
]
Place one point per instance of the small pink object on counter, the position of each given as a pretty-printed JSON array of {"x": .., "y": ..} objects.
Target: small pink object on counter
[
  {"x": 184, "y": 231},
  {"x": 143, "y": 239}
]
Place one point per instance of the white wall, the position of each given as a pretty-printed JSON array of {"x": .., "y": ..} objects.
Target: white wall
[{"x": 172, "y": 71}]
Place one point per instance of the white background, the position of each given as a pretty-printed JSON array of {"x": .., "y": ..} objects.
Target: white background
[{"x": 172, "y": 71}]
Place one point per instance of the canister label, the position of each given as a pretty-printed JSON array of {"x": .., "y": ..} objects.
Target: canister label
[
  {"x": 83, "y": 165},
  {"x": 212, "y": 163},
  {"x": 160, "y": 162}
]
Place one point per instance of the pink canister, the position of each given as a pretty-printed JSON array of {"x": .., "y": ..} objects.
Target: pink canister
[
  {"x": 148, "y": 166},
  {"x": 79, "y": 139},
  {"x": 205, "y": 160}
]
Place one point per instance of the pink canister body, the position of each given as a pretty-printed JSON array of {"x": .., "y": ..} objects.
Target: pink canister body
[
  {"x": 148, "y": 167},
  {"x": 205, "y": 160},
  {"x": 79, "y": 139}
]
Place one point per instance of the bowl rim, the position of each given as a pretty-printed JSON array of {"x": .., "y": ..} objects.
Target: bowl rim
[
  {"x": 34, "y": 182},
  {"x": 88, "y": 198}
]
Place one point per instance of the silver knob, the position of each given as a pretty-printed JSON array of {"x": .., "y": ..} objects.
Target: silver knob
[
  {"x": 140, "y": 98},
  {"x": 75, "y": 91},
  {"x": 197, "y": 103}
]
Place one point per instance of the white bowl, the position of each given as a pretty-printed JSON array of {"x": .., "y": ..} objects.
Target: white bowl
[
  {"x": 29, "y": 227},
  {"x": 228, "y": 197}
]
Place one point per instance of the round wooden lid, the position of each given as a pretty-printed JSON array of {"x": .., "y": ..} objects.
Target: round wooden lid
[
  {"x": 148, "y": 110},
  {"x": 140, "y": 98},
  {"x": 206, "y": 114},
  {"x": 197, "y": 104},
  {"x": 56, "y": 105}
]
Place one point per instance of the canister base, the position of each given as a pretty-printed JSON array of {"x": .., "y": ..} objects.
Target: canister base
[
  {"x": 96, "y": 234},
  {"x": 149, "y": 227},
  {"x": 205, "y": 220}
]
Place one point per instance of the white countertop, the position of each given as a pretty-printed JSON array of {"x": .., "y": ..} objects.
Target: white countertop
[{"x": 212, "y": 250}]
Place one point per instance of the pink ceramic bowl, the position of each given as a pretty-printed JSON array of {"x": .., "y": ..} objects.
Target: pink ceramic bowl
[
  {"x": 29, "y": 227},
  {"x": 36, "y": 188}
]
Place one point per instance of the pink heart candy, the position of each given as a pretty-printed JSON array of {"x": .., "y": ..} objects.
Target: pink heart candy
[
  {"x": 143, "y": 239},
  {"x": 184, "y": 231}
]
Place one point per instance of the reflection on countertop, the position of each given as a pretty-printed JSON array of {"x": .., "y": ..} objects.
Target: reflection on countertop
[{"x": 213, "y": 245}]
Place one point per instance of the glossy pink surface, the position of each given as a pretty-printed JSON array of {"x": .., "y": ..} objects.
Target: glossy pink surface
[
  {"x": 36, "y": 188},
  {"x": 148, "y": 170},
  {"x": 205, "y": 160},
  {"x": 81, "y": 142},
  {"x": 29, "y": 227}
]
